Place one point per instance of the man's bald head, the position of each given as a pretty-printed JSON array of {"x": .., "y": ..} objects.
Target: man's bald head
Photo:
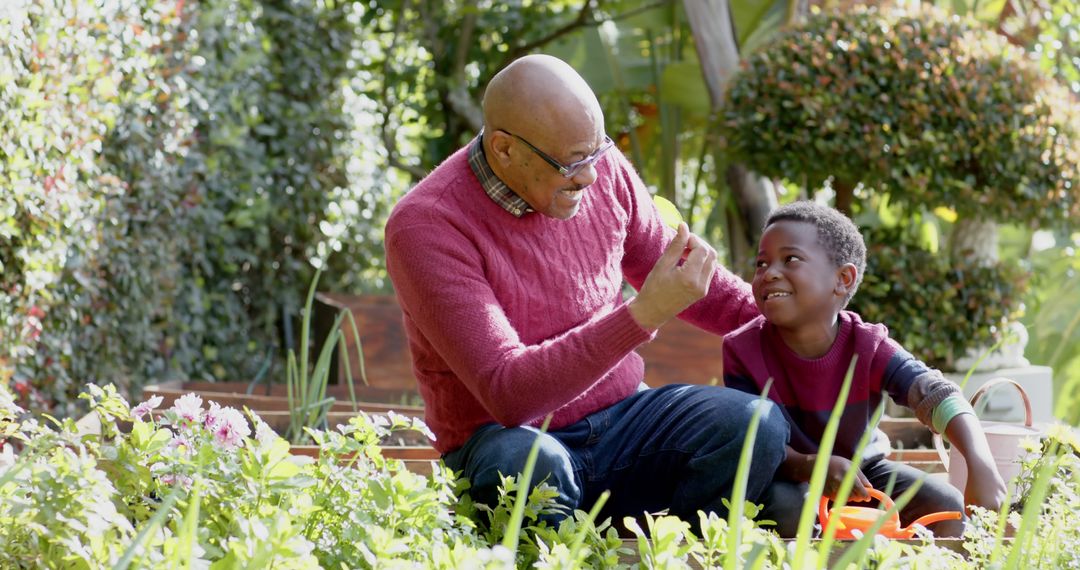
[
  {"x": 538, "y": 96},
  {"x": 539, "y": 117}
]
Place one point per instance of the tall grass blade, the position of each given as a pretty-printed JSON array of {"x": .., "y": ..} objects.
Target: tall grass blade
[
  {"x": 305, "y": 330},
  {"x": 151, "y": 526},
  {"x": 188, "y": 527},
  {"x": 828, "y": 534},
  {"x": 1000, "y": 547},
  {"x": 738, "y": 491},
  {"x": 1068, "y": 401},
  {"x": 513, "y": 526},
  {"x": 292, "y": 374},
  {"x": 321, "y": 376},
  {"x": 360, "y": 356},
  {"x": 1006, "y": 338},
  {"x": 579, "y": 536},
  {"x": 855, "y": 554},
  {"x": 817, "y": 478},
  {"x": 1033, "y": 507}
]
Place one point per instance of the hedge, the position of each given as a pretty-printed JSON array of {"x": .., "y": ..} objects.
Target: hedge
[{"x": 170, "y": 167}]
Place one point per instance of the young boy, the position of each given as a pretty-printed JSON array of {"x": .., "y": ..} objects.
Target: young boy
[{"x": 810, "y": 261}]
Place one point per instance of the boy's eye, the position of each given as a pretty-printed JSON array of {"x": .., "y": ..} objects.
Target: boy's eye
[
  {"x": 760, "y": 264},
  {"x": 791, "y": 258}
]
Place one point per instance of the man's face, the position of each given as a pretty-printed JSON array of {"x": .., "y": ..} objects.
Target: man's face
[{"x": 536, "y": 174}]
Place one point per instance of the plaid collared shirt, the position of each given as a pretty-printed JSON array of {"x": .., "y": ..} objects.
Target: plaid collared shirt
[{"x": 496, "y": 189}]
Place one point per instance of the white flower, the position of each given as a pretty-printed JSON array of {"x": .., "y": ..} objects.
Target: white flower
[
  {"x": 227, "y": 425},
  {"x": 7, "y": 457},
  {"x": 264, "y": 434},
  {"x": 7, "y": 403},
  {"x": 188, "y": 407},
  {"x": 146, "y": 407}
]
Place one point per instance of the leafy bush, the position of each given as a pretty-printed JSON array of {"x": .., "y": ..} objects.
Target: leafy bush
[
  {"x": 195, "y": 487},
  {"x": 935, "y": 308},
  {"x": 932, "y": 111},
  {"x": 172, "y": 165}
]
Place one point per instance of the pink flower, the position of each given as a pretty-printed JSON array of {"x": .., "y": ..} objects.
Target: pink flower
[
  {"x": 227, "y": 425},
  {"x": 161, "y": 471},
  {"x": 181, "y": 443},
  {"x": 188, "y": 407},
  {"x": 146, "y": 407}
]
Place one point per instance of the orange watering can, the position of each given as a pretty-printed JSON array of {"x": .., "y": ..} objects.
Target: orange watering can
[{"x": 862, "y": 518}]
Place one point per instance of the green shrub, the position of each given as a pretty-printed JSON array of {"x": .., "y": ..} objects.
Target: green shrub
[
  {"x": 935, "y": 308},
  {"x": 171, "y": 167},
  {"x": 932, "y": 111}
]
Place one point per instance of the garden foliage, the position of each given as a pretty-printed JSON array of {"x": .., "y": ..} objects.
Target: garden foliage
[
  {"x": 168, "y": 169},
  {"x": 932, "y": 111},
  {"x": 196, "y": 486},
  {"x": 936, "y": 308}
]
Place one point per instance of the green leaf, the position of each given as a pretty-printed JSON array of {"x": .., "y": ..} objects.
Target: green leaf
[
  {"x": 682, "y": 84},
  {"x": 669, "y": 213}
]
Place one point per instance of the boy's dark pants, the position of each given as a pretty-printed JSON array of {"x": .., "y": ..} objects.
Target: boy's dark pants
[{"x": 783, "y": 500}]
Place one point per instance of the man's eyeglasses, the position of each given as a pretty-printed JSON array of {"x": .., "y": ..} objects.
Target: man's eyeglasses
[{"x": 574, "y": 168}]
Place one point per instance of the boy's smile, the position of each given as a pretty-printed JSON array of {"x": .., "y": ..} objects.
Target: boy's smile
[{"x": 797, "y": 286}]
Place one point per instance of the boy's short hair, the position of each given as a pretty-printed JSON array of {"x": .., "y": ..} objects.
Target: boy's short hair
[{"x": 837, "y": 234}]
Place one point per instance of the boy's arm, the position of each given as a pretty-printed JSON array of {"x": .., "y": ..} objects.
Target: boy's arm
[
  {"x": 985, "y": 486},
  {"x": 940, "y": 405}
]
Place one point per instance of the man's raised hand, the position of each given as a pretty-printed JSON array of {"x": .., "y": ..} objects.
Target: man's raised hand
[{"x": 680, "y": 278}]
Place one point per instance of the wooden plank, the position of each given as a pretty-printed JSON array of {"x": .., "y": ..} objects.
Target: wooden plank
[
  {"x": 907, "y": 433},
  {"x": 417, "y": 459},
  {"x": 953, "y": 544},
  {"x": 683, "y": 354},
  {"x": 387, "y": 360},
  {"x": 274, "y": 397}
]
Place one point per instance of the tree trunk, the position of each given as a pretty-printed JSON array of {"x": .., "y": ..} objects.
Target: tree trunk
[
  {"x": 845, "y": 195},
  {"x": 974, "y": 239},
  {"x": 755, "y": 197},
  {"x": 714, "y": 37}
]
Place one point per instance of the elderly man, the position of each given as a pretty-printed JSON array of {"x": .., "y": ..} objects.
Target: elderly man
[{"x": 508, "y": 260}]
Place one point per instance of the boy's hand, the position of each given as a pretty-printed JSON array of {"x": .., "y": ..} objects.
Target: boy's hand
[
  {"x": 985, "y": 487},
  {"x": 838, "y": 467},
  {"x": 800, "y": 467}
]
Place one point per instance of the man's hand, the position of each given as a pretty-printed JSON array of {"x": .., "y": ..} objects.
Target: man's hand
[{"x": 680, "y": 278}]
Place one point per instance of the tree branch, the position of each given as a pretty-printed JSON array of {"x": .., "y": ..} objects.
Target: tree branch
[
  {"x": 388, "y": 140},
  {"x": 584, "y": 19},
  {"x": 458, "y": 96}
]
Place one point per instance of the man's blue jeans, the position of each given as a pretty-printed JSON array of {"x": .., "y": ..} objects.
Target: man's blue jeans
[{"x": 676, "y": 447}]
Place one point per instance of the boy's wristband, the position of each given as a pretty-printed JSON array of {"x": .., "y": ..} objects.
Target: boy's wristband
[{"x": 948, "y": 409}]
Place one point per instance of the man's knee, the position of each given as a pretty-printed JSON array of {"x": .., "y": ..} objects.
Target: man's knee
[
  {"x": 503, "y": 452},
  {"x": 773, "y": 432},
  {"x": 782, "y": 503}
]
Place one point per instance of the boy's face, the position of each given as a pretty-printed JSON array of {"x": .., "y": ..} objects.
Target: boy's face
[{"x": 795, "y": 284}]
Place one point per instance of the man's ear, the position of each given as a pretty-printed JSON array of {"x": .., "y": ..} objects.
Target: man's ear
[
  {"x": 846, "y": 275},
  {"x": 500, "y": 147}
]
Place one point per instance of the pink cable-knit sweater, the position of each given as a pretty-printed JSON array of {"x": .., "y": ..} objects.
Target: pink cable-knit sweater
[{"x": 511, "y": 319}]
